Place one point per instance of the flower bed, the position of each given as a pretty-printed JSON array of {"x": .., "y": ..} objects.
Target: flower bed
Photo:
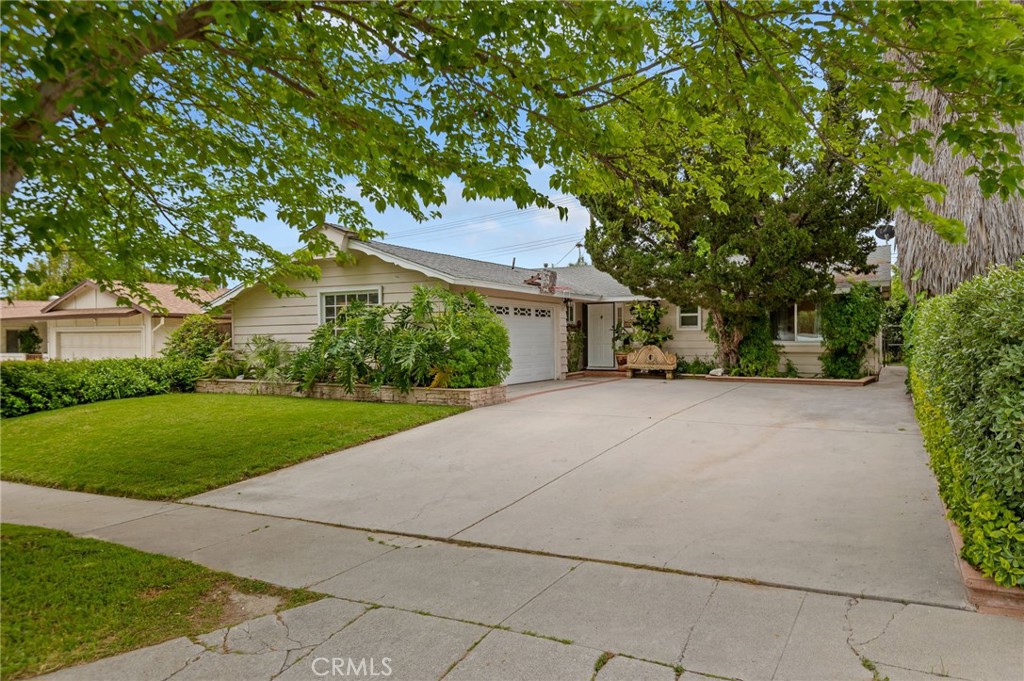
[{"x": 455, "y": 397}]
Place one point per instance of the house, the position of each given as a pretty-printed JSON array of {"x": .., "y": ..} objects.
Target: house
[
  {"x": 536, "y": 305},
  {"x": 86, "y": 322}
]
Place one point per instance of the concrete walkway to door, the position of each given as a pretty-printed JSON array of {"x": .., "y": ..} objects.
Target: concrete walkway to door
[{"x": 817, "y": 488}]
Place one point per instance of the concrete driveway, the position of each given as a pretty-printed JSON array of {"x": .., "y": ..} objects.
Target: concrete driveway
[{"x": 818, "y": 488}]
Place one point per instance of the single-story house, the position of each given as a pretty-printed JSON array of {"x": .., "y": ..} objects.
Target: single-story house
[
  {"x": 86, "y": 322},
  {"x": 536, "y": 305}
]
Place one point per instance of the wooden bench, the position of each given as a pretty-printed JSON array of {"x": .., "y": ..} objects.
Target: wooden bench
[{"x": 651, "y": 358}]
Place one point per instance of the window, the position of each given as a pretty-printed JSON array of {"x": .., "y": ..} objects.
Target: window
[
  {"x": 570, "y": 312},
  {"x": 808, "y": 322},
  {"x": 334, "y": 302},
  {"x": 499, "y": 309},
  {"x": 542, "y": 312},
  {"x": 800, "y": 323},
  {"x": 522, "y": 312},
  {"x": 689, "y": 317}
]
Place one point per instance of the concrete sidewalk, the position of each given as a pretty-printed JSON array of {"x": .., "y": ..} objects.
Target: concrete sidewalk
[{"x": 435, "y": 609}]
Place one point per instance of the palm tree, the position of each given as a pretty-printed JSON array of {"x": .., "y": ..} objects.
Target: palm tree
[{"x": 995, "y": 228}]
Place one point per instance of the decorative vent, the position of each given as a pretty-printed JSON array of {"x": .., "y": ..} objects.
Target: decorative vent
[
  {"x": 541, "y": 312},
  {"x": 499, "y": 309},
  {"x": 522, "y": 312}
]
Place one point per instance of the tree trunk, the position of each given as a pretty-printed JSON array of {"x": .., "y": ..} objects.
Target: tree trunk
[{"x": 729, "y": 338}]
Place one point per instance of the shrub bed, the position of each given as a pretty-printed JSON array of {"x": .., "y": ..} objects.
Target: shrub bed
[
  {"x": 27, "y": 387},
  {"x": 967, "y": 379}
]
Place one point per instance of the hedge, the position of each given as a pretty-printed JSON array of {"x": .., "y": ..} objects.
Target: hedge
[
  {"x": 27, "y": 387},
  {"x": 967, "y": 378}
]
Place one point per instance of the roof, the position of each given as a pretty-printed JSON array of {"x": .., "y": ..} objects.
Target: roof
[
  {"x": 575, "y": 281},
  {"x": 22, "y": 309},
  {"x": 172, "y": 304},
  {"x": 881, "y": 258}
]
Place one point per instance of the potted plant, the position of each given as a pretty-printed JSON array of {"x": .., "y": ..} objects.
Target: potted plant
[
  {"x": 29, "y": 342},
  {"x": 622, "y": 341}
]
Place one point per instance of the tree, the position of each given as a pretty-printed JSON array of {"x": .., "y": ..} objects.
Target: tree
[
  {"x": 768, "y": 251},
  {"x": 137, "y": 135},
  {"x": 49, "y": 276}
]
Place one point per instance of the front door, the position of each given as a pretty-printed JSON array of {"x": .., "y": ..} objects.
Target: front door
[{"x": 600, "y": 323}]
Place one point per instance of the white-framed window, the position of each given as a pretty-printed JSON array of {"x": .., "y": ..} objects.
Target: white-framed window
[
  {"x": 333, "y": 302},
  {"x": 688, "y": 317},
  {"x": 800, "y": 323},
  {"x": 570, "y": 312}
]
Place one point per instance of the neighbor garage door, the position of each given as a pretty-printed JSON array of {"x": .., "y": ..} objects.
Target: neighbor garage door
[
  {"x": 99, "y": 344},
  {"x": 531, "y": 332}
]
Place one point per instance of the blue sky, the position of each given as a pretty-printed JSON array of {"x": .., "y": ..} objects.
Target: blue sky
[{"x": 485, "y": 230}]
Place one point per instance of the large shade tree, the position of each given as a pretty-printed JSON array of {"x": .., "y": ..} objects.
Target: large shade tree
[
  {"x": 138, "y": 135},
  {"x": 769, "y": 250}
]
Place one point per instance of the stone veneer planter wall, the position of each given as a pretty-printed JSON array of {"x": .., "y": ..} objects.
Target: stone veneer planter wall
[{"x": 455, "y": 397}]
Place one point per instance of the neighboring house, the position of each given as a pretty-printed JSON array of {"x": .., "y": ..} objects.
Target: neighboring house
[
  {"x": 535, "y": 304},
  {"x": 87, "y": 322}
]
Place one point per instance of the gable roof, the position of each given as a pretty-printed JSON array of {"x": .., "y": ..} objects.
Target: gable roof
[{"x": 174, "y": 306}]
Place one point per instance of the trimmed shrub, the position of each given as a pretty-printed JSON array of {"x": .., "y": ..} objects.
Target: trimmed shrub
[
  {"x": 197, "y": 338},
  {"x": 967, "y": 379},
  {"x": 27, "y": 387},
  {"x": 849, "y": 324}
]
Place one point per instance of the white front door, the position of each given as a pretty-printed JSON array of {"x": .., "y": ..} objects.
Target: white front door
[{"x": 600, "y": 323}]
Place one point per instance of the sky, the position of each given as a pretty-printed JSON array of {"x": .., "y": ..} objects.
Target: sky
[{"x": 495, "y": 231}]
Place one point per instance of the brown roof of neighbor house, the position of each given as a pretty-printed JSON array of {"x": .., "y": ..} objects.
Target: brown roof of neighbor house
[
  {"x": 881, "y": 258},
  {"x": 21, "y": 309},
  {"x": 173, "y": 305}
]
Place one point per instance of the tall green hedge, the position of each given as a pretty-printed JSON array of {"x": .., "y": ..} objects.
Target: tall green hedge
[
  {"x": 27, "y": 387},
  {"x": 967, "y": 379}
]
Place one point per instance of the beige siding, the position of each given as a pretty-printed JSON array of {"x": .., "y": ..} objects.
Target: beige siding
[
  {"x": 162, "y": 332},
  {"x": 292, "y": 319},
  {"x": 88, "y": 298}
]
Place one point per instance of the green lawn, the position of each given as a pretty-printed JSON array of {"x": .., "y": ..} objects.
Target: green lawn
[
  {"x": 173, "y": 446},
  {"x": 69, "y": 600}
]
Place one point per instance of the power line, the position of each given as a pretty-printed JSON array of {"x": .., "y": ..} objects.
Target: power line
[{"x": 530, "y": 245}]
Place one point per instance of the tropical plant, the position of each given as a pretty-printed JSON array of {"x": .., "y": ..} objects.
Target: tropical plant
[
  {"x": 439, "y": 339},
  {"x": 849, "y": 326},
  {"x": 267, "y": 360},
  {"x": 197, "y": 338},
  {"x": 224, "y": 362}
]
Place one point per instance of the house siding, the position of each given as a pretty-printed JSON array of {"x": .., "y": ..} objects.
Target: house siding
[
  {"x": 292, "y": 319},
  {"x": 694, "y": 343}
]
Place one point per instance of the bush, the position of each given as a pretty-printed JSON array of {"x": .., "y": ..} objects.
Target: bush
[
  {"x": 27, "y": 387},
  {"x": 759, "y": 355},
  {"x": 576, "y": 343},
  {"x": 967, "y": 379},
  {"x": 197, "y": 338},
  {"x": 698, "y": 365},
  {"x": 849, "y": 324},
  {"x": 440, "y": 339}
]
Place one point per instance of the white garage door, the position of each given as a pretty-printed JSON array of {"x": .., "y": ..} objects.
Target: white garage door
[
  {"x": 531, "y": 333},
  {"x": 99, "y": 344}
]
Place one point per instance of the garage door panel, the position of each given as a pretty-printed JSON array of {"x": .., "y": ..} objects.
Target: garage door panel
[
  {"x": 531, "y": 332},
  {"x": 98, "y": 344}
]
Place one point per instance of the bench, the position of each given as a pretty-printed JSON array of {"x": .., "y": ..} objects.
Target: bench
[{"x": 651, "y": 358}]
